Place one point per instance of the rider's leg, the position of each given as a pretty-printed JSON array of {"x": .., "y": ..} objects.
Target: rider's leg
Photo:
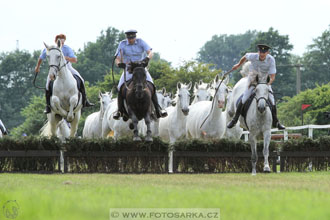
[
  {"x": 238, "y": 112},
  {"x": 121, "y": 109},
  {"x": 160, "y": 113},
  {"x": 276, "y": 122},
  {"x": 85, "y": 101},
  {"x": 48, "y": 94}
]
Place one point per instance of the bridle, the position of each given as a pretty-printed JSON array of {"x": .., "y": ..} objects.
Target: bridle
[
  {"x": 57, "y": 67},
  {"x": 260, "y": 98}
]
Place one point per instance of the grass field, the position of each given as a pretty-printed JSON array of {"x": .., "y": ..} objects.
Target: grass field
[{"x": 239, "y": 196}]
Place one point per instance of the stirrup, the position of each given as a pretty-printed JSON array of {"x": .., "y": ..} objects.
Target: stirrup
[{"x": 47, "y": 110}]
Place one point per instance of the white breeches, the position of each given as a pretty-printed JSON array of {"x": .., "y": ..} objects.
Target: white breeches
[
  {"x": 72, "y": 70},
  {"x": 250, "y": 90},
  {"x": 129, "y": 76}
]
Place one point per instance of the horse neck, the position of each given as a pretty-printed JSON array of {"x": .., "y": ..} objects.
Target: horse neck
[{"x": 215, "y": 111}]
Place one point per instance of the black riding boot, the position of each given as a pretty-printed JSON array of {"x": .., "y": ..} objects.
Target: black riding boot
[
  {"x": 3, "y": 130},
  {"x": 233, "y": 122},
  {"x": 85, "y": 101},
  {"x": 160, "y": 113},
  {"x": 48, "y": 94},
  {"x": 121, "y": 112},
  {"x": 276, "y": 123}
]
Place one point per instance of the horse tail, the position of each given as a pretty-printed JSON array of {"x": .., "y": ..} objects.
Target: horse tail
[{"x": 45, "y": 130}]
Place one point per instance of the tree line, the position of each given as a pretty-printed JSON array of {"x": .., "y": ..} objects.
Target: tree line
[{"x": 21, "y": 104}]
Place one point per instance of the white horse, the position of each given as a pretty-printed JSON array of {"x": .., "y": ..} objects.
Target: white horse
[
  {"x": 259, "y": 117},
  {"x": 62, "y": 130},
  {"x": 93, "y": 123},
  {"x": 173, "y": 126},
  {"x": 201, "y": 92},
  {"x": 5, "y": 130},
  {"x": 211, "y": 112},
  {"x": 66, "y": 101},
  {"x": 118, "y": 128},
  {"x": 236, "y": 131}
]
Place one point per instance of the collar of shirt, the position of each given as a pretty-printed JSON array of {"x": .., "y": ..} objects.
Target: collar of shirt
[{"x": 135, "y": 42}]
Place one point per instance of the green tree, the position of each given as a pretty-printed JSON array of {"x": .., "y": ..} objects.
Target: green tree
[
  {"x": 224, "y": 50},
  {"x": 290, "y": 109},
  {"x": 16, "y": 74},
  {"x": 95, "y": 60},
  {"x": 189, "y": 71},
  {"x": 285, "y": 84},
  {"x": 316, "y": 62}
]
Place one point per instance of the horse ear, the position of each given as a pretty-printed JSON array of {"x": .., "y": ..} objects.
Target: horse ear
[
  {"x": 208, "y": 86},
  {"x": 100, "y": 94},
  {"x": 196, "y": 85},
  {"x": 178, "y": 85},
  {"x": 226, "y": 80},
  {"x": 189, "y": 85},
  {"x": 217, "y": 78},
  {"x": 47, "y": 47},
  {"x": 164, "y": 90},
  {"x": 59, "y": 45}
]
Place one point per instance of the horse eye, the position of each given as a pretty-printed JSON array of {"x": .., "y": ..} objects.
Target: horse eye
[{"x": 179, "y": 95}]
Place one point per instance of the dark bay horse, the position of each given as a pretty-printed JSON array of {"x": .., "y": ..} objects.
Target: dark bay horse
[{"x": 138, "y": 98}]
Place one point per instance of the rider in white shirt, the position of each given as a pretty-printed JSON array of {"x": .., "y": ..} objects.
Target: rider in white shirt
[{"x": 265, "y": 63}]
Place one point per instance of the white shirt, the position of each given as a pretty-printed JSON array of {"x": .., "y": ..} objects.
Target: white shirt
[{"x": 266, "y": 66}]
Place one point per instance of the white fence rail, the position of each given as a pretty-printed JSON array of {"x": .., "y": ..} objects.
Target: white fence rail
[{"x": 285, "y": 132}]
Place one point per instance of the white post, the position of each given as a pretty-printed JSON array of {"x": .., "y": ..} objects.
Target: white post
[
  {"x": 170, "y": 161},
  {"x": 310, "y": 133},
  {"x": 286, "y": 136}
]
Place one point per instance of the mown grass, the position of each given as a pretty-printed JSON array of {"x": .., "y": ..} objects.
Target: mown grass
[{"x": 239, "y": 196}]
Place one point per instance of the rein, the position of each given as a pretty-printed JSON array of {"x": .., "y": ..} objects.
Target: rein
[{"x": 216, "y": 90}]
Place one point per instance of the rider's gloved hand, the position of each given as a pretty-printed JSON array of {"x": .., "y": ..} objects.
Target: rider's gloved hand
[
  {"x": 122, "y": 65},
  {"x": 145, "y": 61}
]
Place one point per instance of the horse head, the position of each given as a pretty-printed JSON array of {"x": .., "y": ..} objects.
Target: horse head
[
  {"x": 139, "y": 81},
  {"x": 105, "y": 100},
  {"x": 262, "y": 91},
  {"x": 201, "y": 91},
  {"x": 183, "y": 97},
  {"x": 56, "y": 59},
  {"x": 221, "y": 91}
]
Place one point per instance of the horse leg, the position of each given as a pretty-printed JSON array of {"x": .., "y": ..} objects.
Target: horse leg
[
  {"x": 74, "y": 124},
  {"x": 53, "y": 124},
  {"x": 135, "y": 123},
  {"x": 267, "y": 135},
  {"x": 254, "y": 156},
  {"x": 56, "y": 106},
  {"x": 73, "y": 103},
  {"x": 147, "y": 121}
]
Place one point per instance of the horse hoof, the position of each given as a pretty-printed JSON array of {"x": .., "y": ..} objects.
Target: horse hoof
[
  {"x": 266, "y": 169},
  {"x": 131, "y": 126},
  {"x": 254, "y": 172},
  {"x": 149, "y": 139},
  {"x": 137, "y": 139}
]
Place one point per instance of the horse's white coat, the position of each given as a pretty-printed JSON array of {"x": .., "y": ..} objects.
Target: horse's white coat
[
  {"x": 173, "y": 126},
  {"x": 214, "y": 127},
  {"x": 201, "y": 92},
  {"x": 93, "y": 123},
  {"x": 64, "y": 101}
]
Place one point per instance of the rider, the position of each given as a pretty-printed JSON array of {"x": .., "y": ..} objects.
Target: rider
[
  {"x": 3, "y": 128},
  {"x": 265, "y": 63},
  {"x": 132, "y": 50},
  {"x": 71, "y": 58}
]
